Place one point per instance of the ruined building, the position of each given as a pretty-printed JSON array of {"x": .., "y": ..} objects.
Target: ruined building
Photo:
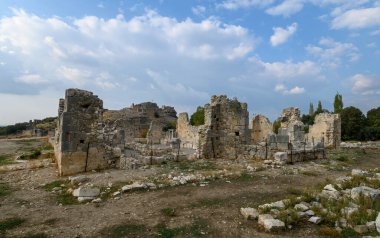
[
  {"x": 89, "y": 137},
  {"x": 326, "y": 128},
  {"x": 225, "y": 128}
]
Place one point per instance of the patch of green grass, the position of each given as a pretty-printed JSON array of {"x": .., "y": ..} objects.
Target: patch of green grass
[
  {"x": 37, "y": 235},
  {"x": 10, "y": 224},
  {"x": 349, "y": 232},
  {"x": 198, "y": 228},
  {"x": 4, "y": 189},
  {"x": 244, "y": 177},
  {"x": 169, "y": 212},
  {"x": 342, "y": 158},
  {"x": 5, "y": 160},
  {"x": 208, "y": 202},
  {"x": 124, "y": 230},
  {"x": 66, "y": 199},
  {"x": 32, "y": 155},
  {"x": 309, "y": 173},
  {"x": 49, "y": 187}
]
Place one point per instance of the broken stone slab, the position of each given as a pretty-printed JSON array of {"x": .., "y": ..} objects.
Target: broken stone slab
[
  {"x": 263, "y": 217},
  {"x": 249, "y": 213},
  {"x": 279, "y": 204},
  {"x": 315, "y": 219},
  {"x": 310, "y": 213},
  {"x": 85, "y": 199},
  {"x": 273, "y": 225},
  {"x": 374, "y": 194},
  {"x": 97, "y": 200},
  {"x": 86, "y": 192},
  {"x": 301, "y": 207},
  {"x": 134, "y": 186}
]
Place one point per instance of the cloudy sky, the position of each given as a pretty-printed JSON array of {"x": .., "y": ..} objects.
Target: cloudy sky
[{"x": 271, "y": 54}]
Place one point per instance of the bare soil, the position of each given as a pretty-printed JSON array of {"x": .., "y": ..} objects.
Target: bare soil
[{"x": 209, "y": 211}]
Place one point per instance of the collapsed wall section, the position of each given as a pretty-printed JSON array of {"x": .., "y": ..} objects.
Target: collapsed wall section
[{"x": 188, "y": 134}]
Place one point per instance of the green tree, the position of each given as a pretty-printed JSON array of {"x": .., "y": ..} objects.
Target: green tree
[
  {"x": 311, "y": 109},
  {"x": 198, "y": 117},
  {"x": 338, "y": 103},
  {"x": 319, "y": 108},
  {"x": 373, "y": 118},
  {"x": 353, "y": 121},
  {"x": 276, "y": 126}
]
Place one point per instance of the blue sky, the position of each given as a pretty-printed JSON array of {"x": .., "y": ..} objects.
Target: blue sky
[{"x": 271, "y": 54}]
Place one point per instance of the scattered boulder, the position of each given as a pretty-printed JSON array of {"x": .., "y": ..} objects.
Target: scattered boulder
[
  {"x": 249, "y": 213},
  {"x": 361, "y": 229},
  {"x": 281, "y": 158},
  {"x": 270, "y": 224},
  {"x": 371, "y": 225},
  {"x": 301, "y": 207},
  {"x": 86, "y": 192},
  {"x": 374, "y": 194},
  {"x": 378, "y": 222},
  {"x": 315, "y": 219},
  {"x": 133, "y": 186},
  {"x": 78, "y": 179}
]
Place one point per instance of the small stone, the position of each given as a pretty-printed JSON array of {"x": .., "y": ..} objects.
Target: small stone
[
  {"x": 361, "y": 229},
  {"x": 359, "y": 172},
  {"x": 315, "y": 219},
  {"x": 263, "y": 217},
  {"x": 301, "y": 207},
  {"x": 249, "y": 213},
  {"x": 310, "y": 213},
  {"x": 329, "y": 187},
  {"x": 85, "y": 199},
  {"x": 97, "y": 200},
  {"x": 371, "y": 225},
  {"x": 116, "y": 194}
]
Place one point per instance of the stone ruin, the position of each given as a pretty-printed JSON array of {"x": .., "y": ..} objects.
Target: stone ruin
[{"x": 89, "y": 137}]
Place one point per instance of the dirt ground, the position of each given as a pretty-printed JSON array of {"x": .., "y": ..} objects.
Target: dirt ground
[{"x": 182, "y": 211}]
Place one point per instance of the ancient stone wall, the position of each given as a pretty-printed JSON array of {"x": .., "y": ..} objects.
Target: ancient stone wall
[
  {"x": 292, "y": 125},
  {"x": 83, "y": 142},
  {"x": 225, "y": 129},
  {"x": 136, "y": 120},
  {"x": 289, "y": 115},
  {"x": 188, "y": 134},
  {"x": 327, "y": 128},
  {"x": 260, "y": 127}
]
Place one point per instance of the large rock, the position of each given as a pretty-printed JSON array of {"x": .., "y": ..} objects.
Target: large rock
[
  {"x": 315, "y": 219},
  {"x": 86, "y": 192},
  {"x": 301, "y": 207},
  {"x": 378, "y": 222},
  {"x": 281, "y": 158},
  {"x": 270, "y": 224},
  {"x": 374, "y": 194},
  {"x": 134, "y": 186},
  {"x": 249, "y": 213}
]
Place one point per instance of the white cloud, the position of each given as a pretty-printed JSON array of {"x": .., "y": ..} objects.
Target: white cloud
[
  {"x": 288, "y": 69},
  {"x": 198, "y": 10},
  {"x": 365, "y": 85},
  {"x": 331, "y": 53},
  {"x": 236, "y": 4},
  {"x": 281, "y": 35},
  {"x": 283, "y": 89},
  {"x": 286, "y": 8},
  {"x": 357, "y": 18},
  {"x": 31, "y": 79}
]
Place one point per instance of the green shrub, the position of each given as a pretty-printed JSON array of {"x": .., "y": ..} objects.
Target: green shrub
[
  {"x": 10, "y": 224},
  {"x": 169, "y": 212}
]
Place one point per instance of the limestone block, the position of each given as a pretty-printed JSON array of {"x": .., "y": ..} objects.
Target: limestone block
[
  {"x": 249, "y": 213},
  {"x": 86, "y": 192}
]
